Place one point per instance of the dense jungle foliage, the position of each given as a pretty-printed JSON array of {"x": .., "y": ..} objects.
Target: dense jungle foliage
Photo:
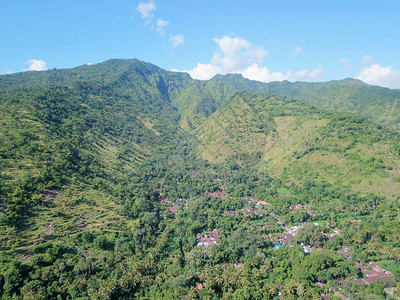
[{"x": 124, "y": 181}]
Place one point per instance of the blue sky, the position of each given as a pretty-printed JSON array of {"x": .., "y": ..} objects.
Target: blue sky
[{"x": 264, "y": 40}]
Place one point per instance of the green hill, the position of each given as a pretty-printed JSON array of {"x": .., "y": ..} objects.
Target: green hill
[
  {"x": 201, "y": 99},
  {"x": 347, "y": 95},
  {"x": 294, "y": 141},
  {"x": 71, "y": 136},
  {"x": 116, "y": 177}
]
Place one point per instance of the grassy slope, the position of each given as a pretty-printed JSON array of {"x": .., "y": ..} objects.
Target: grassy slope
[
  {"x": 295, "y": 142},
  {"x": 350, "y": 95},
  {"x": 235, "y": 130},
  {"x": 199, "y": 100}
]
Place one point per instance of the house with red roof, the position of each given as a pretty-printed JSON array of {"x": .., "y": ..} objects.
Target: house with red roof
[
  {"x": 373, "y": 273},
  {"x": 208, "y": 239}
]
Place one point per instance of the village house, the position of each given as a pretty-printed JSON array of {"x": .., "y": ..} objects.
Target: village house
[
  {"x": 346, "y": 252},
  {"x": 297, "y": 206},
  {"x": 307, "y": 249},
  {"x": 285, "y": 239},
  {"x": 210, "y": 238},
  {"x": 174, "y": 208},
  {"x": 256, "y": 202},
  {"x": 175, "y": 205},
  {"x": 374, "y": 273},
  {"x": 300, "y": 206},
  {"x": 165, "y": 201},
  {"x": 324, "y": 297},
  {"x": 336, "y": 232},
  {"x": 249, "y": 208},
  {"x": 218, "y": 194},
  {"x": 262, "y": 203}
]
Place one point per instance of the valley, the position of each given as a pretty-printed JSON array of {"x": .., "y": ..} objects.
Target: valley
[{"x": 121, "y": 180}]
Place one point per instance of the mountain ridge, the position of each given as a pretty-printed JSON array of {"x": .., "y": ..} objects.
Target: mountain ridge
[{"x": 351, "y": 95}]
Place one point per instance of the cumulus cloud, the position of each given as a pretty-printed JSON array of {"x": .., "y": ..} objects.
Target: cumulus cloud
[
  {"x": 36, "y": 65},
  {"x": 367, "y": 60},
  {"x": 146, "y": 9},
  {"x": 237, "y": 55},
  {"x": 160, "y": 26},
  {"x": 176, "y": 40},
  {"x": 297, "y": 51},
  {"x": 378, "y": 75},
  {"x": 255, "y": 72},
  {"x": 346, "y": 63},
  {"x": 202, "y": 71}
]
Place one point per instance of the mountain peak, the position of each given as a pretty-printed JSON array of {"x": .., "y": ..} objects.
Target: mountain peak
[{"x": 352, "y": 81}]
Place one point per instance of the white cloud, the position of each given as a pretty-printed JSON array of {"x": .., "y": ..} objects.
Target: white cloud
[
  {"x": 367, "y": 60},
  {"x": 255, "y": 72},
  {"x": 201, "y": 71},
  {"x": 146, "y": 10},
  {"x": 297, "y": 51},
  {"x": 36, "y": 65},
  {"x": 346, "y": 63},
  {"x": 378, "y": 75},
  {"x": 237, "y": 55},
  {"x": 160, "y": 26},
  {"x": 176, "y": 40}
]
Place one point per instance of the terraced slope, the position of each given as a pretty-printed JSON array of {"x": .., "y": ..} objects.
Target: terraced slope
[{"x": 296, "y": 142}]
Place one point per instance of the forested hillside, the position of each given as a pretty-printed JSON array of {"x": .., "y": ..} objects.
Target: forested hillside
[
  {"x": 121, "y": 180},
  {"x": 347, "y": 95},
  {"x": 61, "y": 127},
  {"x": 294, "y": 141}
]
